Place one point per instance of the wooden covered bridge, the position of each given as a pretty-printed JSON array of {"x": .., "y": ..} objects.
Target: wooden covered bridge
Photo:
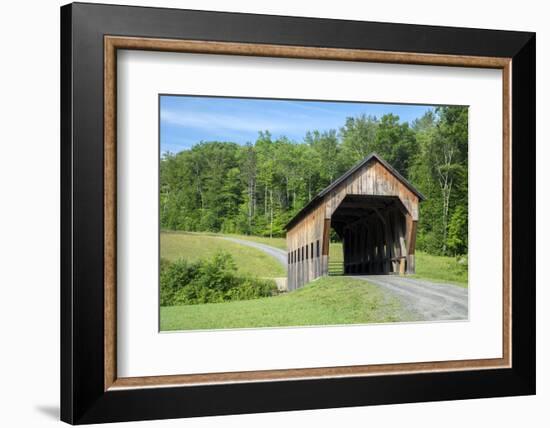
[{"x": 372, "y": 208}]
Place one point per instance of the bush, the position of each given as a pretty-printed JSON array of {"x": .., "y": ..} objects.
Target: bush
[
  {"x": 208, "y": 281},
  {"x": 461, "y": 266},
  {"x": 430, "y": 242},
  {"x": 252, "y": 288},
  {"x": 172, "y": 276}
]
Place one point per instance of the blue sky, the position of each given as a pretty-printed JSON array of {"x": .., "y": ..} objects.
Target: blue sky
[{"x": 187, "y": 120}]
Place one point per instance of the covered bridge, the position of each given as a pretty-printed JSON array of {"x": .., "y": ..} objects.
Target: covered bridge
[{"x": 372, "y": 208}]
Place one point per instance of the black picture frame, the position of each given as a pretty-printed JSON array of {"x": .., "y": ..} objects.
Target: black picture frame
[{"x": 83, "y": 399}]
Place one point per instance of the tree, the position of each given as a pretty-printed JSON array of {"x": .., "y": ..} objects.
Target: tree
[
  {"x": 358, "y": 137},
  {"x": 457, "y": 241},
  {"x": 392, "y": 140},
  {"x": 449, "y": 153},
  {"x": 249, "y": 169},
  {"x": 395, "y": 142},
  {"x": 258, "y": 187},
  {"x": 325, "y": 150},
  {"x": 424, "y": 123}
]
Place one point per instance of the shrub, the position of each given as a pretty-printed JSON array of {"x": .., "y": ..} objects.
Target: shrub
[
  {"x": 208, "y": 281},
  {"x": 460, "y": 267},
  {"x": 251, "y": 288},
  {"x": 172, "y": 277}
]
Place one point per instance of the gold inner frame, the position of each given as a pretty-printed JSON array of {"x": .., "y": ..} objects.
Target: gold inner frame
[{"x": 113, "y": 43}]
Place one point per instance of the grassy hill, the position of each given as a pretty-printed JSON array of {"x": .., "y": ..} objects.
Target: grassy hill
[
  {"x": 279, "y": 243},
  {"x": 441, "y": 269},
  {"x": 249, "y": 260},
  {"x": 327, "y": 301},
  {"x": 195, "y": 246},
  {"x": 436, "y": 268}
]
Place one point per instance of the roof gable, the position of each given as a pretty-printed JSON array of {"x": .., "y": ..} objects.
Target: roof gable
[{"x": 372, "y": 157}]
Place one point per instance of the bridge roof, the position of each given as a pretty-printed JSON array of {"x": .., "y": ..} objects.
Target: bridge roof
[{"x": 317, "y": 198}]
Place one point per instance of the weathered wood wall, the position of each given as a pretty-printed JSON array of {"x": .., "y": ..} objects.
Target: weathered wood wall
[
  {"x": 308, "y": 234},
  {"x": 383, "y": 242},
  {"x": 374, "y": 179}
]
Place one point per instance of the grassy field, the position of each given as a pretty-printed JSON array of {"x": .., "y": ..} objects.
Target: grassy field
[
  {"x": 274, "y": 242},
  {"x": 440, "y": 269},
  {"x": 327, "y": 301},
  {"x": 335, "y": 247},
  {"x": 193, "y": 246},
  {"x": 435, "y": 268}
]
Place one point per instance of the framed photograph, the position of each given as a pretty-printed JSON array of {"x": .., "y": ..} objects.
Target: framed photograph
[{"x": 266, "y": 213}]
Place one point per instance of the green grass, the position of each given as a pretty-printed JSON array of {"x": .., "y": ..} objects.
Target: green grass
[
  {"x": 335, "y": 250},
  {"x": 327, "y": 301},
  {"x": 194, "y": 246},
  {"x": 336, "y": 253},
  {"x": 335, "y": 247},
  {"x": 274, "y": 242},
  {"x": 435, "y": 268},
  {"x": 249, "y": 260},
  {"x": 440, "y": 269}
]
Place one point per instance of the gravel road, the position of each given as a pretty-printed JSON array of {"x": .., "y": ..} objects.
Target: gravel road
[
  {"x": 425, "y": 300},
  {"x": 279, "y": 255}
]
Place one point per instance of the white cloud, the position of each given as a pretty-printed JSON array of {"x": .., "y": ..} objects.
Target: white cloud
[{"x": 222, "y": 121}]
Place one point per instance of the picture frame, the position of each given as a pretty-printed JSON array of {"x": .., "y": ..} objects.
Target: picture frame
[{"x": 91, "y": 391}]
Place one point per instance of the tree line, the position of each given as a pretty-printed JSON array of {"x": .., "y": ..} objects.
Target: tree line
[{"x": 256, "y": 188}]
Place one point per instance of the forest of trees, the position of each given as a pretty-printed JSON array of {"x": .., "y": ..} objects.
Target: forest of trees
[{"x": 221, "y": 186}]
